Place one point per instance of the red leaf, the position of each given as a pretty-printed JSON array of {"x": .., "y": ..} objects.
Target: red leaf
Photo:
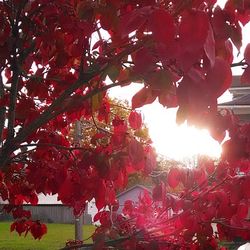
[
  {"x": 209, "y": 46},
  {"x": 194, "y": 30},
  {"x": 19, "y": 212},
  {"x": 236, "y": 35},
  {"x": 242, "y": 210},
  {"x": 219, "y": 22},
  {"x": 103, "y": 217},
  {"x": 62, "y": 59},
  {"x": 132, "y": 21},
  {"x": 128, "y": 207},
  {"x": 161, "y": 80},
  {"x": 135, "y": 120},
  {"x": 108, "y": 18},
  {"x": 8, "y": 73},
  {"x": 140, "y": 57},
  {"x": 157, "y": 192},
  {"x": 13, "y": 226},
  {"x": 142, "y": 97},
  {"x": 33, "y": 199},
  {"x": 189, "y": 221},
  {"x": 173, "y": 178},
  {"x": 245, "y": 189},
  {"x": 20, "y": 226},
  {"x": 247, "y": 54},
  {"x": 224, "y": 50},
  {"x": 140, "y": 220},
  {"x": 245, "y": 78},
  {"x": 136, "y": 152},
  {"x": 162, "y": 33},
  {"x": 200, "y": 176},
  {"x": 100, "y": 195},
  {"x": 219, "y": 78},
  {"x": 150, "y": 160},
  {"x": 38, "y": 230},
  {"x": 139, "y": 165},
  {"x": 168, "y": 99}
]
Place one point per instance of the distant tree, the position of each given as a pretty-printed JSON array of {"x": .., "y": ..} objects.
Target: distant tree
[
  {"x": 92, "y": 130},
  {"x": 93, "y": 126}
]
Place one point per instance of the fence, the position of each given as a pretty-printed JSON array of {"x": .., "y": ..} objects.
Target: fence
[{"x": 50, "y": 214}]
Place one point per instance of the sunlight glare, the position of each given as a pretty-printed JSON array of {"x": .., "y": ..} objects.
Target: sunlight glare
[{"x": 176, "y": 142}]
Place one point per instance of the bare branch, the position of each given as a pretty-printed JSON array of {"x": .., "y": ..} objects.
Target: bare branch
[
  {"x": 241, "y": 63},
  {"x": 51, "y": 112},
  {"x": 2, "y": 110},
  {"x": 99, "y": 128},
  {"x": 52, "y": 145},
  {"x": 56, "y": 107},
  {"x": 14, "y": 84}
]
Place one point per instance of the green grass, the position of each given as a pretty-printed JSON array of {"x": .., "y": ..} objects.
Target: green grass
[{"x": 55, "y": 239}]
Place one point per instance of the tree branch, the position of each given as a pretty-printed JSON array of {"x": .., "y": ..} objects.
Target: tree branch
[
  {"x": 55, "y": 108},
  {"x": 100, "y": 128},
  {"x": 241, "y": 63},
  {"x": 13, "y": 97},
  {"x": 229, "y": 226},
  {"x": 107, "y": 243},
  {"x": 14, "y": 85},
  {"x": 2, "y": 110},
  {"x": 51, "y": 113},
  {"x": 52, "y": 145}
]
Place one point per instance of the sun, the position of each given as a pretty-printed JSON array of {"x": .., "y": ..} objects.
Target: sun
[{"x": 177, "y": 142}]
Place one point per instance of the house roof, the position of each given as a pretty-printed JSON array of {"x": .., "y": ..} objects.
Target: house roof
[
  {"x": 240, "y": 106},
  {"x": 241, "y": 90},
  {"x": 132, "y": 188},
  {"x": 236, "y": 81},
  {"x": 241, "y": 101}
]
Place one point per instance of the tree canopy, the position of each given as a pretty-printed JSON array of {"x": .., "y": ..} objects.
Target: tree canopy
[{"x": 54, "y": 64}]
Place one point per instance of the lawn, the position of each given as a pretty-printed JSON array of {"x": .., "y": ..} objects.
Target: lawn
[{"x": 55, "y": 239}]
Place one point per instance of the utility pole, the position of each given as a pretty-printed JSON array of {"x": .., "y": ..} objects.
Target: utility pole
[
  {"x": 78, "y": 227},
  {"x": 78, "y": 220}
]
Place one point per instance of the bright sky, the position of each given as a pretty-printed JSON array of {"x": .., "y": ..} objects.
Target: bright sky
[{"x": 178, "y": 142}]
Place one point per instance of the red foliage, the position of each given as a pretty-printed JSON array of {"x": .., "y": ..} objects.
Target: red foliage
[
  {"x": 135, "y": 120},
  {"x": 53, "y": 73},
  {"x": 36, "y": 228}
]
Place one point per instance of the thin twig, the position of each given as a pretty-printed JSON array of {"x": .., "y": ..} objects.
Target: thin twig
[
  {"x": 229, "y": 226},
  {"x": 100, "y": 128},
  {"x": 52, "y": 145},
  {"x": 241, "y": 63}
]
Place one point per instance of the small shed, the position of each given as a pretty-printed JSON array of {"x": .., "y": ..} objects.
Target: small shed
[{"x": 132, "y": 194}]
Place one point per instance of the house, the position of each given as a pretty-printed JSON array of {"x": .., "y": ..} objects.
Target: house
[{"x": 132, "y": 194}]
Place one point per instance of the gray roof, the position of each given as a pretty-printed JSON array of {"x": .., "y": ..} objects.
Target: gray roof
[
  {"x": 132, "y": 188},
  {"x": 242, "y": 101}
]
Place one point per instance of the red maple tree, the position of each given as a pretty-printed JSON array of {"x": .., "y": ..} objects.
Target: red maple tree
[{"x": 53, "y": 72}]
